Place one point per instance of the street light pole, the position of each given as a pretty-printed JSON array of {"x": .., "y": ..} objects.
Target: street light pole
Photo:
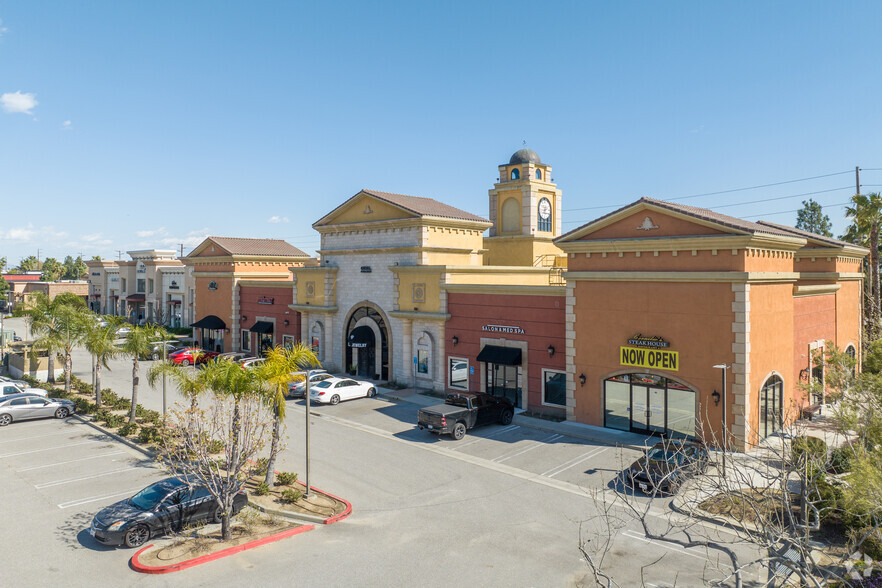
[
  {"x": 724, "y": 367},
  {"x": 308, "y": 374}
]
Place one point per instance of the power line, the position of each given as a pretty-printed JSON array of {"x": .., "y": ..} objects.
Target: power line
[
  {"x": 785, "y": 197},
  {"x": 797, "y": 210}
]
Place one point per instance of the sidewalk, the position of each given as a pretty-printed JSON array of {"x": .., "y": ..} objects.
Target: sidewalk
[{"x": 570, "y": 429}]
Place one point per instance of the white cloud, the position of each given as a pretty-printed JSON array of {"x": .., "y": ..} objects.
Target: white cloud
[
  {"x": 19, "y": 234},
  {"x": 2, "y": 28},
  {"x": 66, "y": 126},
  {"x": 17, "y": 102},
  {"x": 277, "y": 219},
  {"x": 92, "y": 238}
]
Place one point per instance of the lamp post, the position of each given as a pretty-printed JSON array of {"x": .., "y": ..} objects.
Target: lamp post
[
  {"x": 723, "y": 367},
  {"x": 308, "y": 374}
]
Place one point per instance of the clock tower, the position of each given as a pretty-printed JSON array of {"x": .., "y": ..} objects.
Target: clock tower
[{"x": 525, "y": 212}]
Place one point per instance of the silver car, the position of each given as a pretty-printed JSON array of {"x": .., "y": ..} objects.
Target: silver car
[
  {"x": 22, "y": 407},
  {"x": 10, "y": 388}
]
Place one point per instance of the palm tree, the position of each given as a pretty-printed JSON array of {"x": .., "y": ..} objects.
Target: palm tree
[
  {"x": 191, "y": 382},
  {"x": 276, "y": 373},
  {"x": 866, "y": 215},
  {"x": 138, "y": 343},
  {"x": 100, "y": 341},
  {"x": 72, "y": 329},
  {"x": 44, "y": 325}
]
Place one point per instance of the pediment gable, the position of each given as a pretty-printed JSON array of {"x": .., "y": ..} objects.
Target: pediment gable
[
  {"x": 651, "y": 223},
  {"x": 364, "y": 208},
  {"x": 208, "y": 248}
]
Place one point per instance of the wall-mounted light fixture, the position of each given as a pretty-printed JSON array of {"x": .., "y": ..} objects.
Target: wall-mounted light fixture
[
  {"x": 582, "y": 379},
  {"x": 244, "y": 318},
  {"x": 455, "y": 340},
  {"x": 716, "y": 396},
  {"x": 550, "y": 350},
  {"x": 287, "y": 322},
  {"x": 416, "y": 308}
]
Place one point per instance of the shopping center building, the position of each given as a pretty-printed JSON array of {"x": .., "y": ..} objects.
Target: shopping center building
[{"x": 620, "y": 323}]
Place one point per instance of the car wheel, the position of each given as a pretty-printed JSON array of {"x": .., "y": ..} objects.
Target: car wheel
[
  {"x": 137, "y": 536},
  {"x": 335, "y": 399},
  {"x": 371, "y": 392},
  {"x": 5, "y": 419},
  {"x": 62, "y": 413},
  {"x": 218, "y": 514},
  {"x": 155, "y": 356},
  {"x": 506, "y": 417},
  {"x": 185, "y": 362},
  {"x": 459, "y": 431}
]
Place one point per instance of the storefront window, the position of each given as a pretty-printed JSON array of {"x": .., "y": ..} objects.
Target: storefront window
[
  {"x": 770, "y": 413},
  {"x": 288, "y": 342},
  {"x": 422, "y": 361},
  {"x": 554, "y": 388},
  {"x": 459, "y": 373},
  {"x": 246, "y": 340},
  {"x": 618, "y": 404},
  {"x": 141, "y": 284},
  {"x": 648, "y": 403},
  {"x": 681, "y": 410}
]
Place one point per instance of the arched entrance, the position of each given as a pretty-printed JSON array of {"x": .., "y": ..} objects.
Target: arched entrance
[
  {"x": 649, "y": 403},
  {"x": 367, "y": 344}
]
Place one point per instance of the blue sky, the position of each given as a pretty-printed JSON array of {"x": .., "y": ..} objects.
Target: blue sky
[{"x": 131, "y": 125}]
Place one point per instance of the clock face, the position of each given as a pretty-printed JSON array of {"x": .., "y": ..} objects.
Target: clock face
[{"x": 544, "y": 209}]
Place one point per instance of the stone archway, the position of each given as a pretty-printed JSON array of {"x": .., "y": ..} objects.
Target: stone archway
[{"x": 367, "y": 342}]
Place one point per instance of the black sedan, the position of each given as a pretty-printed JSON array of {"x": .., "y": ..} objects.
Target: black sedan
[
  {"x": 166, "y": 506},
  {"x": 666, "y": 466}
]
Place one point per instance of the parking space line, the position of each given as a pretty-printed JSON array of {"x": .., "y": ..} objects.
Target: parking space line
[
  {"x": 38, "y": 436},
  {"x": 69, "y": 480},
  {"x": 503, "y": 458},
  {"x": 497, "y": 433},
  {"x": 675, "y": 548},
  {"x": 59, "y": 463},
  {"x": 97, "y": 498},
  {"x": 573, "y": 462},
  {"x": 45, "y": 449}
]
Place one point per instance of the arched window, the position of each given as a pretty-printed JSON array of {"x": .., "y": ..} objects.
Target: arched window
[
  {"x": 771, "y": 413},
  {"x": 852, "y": 353},
  {"x": 538, "y": 174},
  {"x": 544, "y": 212},
  {"x": 516, "y": 174},
  {"x": 511, "y": 216}
]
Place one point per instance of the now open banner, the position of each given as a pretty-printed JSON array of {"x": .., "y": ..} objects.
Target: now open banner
[{"x": 660, "y": 359}]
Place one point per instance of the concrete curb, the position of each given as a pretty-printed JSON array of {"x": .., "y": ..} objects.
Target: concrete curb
[
  {"x": 136, "y": 446},
  {"x": 145, "y": 569},
  {"x": 307, "y": 517}
]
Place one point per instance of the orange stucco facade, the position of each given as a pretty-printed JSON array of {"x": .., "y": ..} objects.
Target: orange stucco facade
[{"x": 659, "y": 296}]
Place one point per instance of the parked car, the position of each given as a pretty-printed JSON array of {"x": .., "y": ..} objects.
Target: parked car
[
  {"x": 236, "y": 356},
  {"x": 191, "y": 356},
  {"x": 168, "y": 505},
  {"x": 23, "y": 407},
  {"x": 252, "y": 362},
  {"x": 298, "y": 389},
  {"x": 666, "y": 466},
  {"x": 156, "y": 352},
  {"x": 16, "y": 387},
  {"x": 462, "y": 411},
  {"x": 333, "y": 390},
  {"x": 123, "y": 332}
]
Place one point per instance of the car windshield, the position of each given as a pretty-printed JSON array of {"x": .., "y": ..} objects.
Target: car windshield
[
  {"x": 149, "y": 497},
  {"x": 664, "y": 455}
]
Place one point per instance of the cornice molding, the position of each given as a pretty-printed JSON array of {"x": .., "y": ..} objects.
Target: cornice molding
[
  {"x": 416, "y": 315},
  {"x": 719, "y": 242},
  {"x": 313, "y": 308},
  {"x": 815, "y": 289},
  {"x": 505, "y": 289},
  {"x": 642, "y": 276}
]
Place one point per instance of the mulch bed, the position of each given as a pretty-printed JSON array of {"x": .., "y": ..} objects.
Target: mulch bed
[{"x": 318, "y": 504}]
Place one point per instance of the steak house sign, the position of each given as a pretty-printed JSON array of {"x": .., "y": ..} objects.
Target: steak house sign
[{"x": 649, "y": 352}]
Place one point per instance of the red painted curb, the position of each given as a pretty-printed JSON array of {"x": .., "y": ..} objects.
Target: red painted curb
[
  {"x": 139, "y": 567},
  {"x": 342, "y": 515}
]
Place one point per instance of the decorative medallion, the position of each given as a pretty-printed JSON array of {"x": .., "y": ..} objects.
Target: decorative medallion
[
  {"x": 212, "y": 285},
  {"x": 419, "y": 292},
  {"x": 367, "y": 209},
  {"x": 310, "y": 289},
  {"x": 646, "y": 225}
]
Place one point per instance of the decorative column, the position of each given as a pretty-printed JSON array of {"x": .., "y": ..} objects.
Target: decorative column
[{"x": 741, "y": 426}]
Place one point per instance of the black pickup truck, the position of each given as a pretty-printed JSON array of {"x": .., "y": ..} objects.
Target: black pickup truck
[{"x": 464, "y": 410}]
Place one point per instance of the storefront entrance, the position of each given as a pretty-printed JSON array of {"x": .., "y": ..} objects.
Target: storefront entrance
[
  {"x": 367, "y": 355},
  {"x": 503, "y": 371},
  {"x": 650, "y": 404}
]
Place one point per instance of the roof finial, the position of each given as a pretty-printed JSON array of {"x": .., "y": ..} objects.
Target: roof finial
[{"x": 525, "y": 142}]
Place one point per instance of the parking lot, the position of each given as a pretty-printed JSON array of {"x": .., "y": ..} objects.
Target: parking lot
[{"x": 56, "y": 474}]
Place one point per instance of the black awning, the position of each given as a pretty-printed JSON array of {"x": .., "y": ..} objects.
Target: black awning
[
  {"x": 135, "y": 298},
  {"x": 262, "y": 327},
  {"x": 210, "y": 322},
  {"x": 501, "y": 355},
  {"x": 361, "y": 337}
]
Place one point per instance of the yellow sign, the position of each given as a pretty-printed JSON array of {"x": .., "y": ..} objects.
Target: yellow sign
[{"x": 650, "y": 358}]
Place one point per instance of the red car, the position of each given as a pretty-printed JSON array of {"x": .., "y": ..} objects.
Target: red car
[{"x": 192, "y": 355}]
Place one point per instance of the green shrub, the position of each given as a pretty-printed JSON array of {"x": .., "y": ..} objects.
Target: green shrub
[
  {"x": 114, "y": 420},
  {"x": 811, "y": 450},
  {"x": 215, "y": 446},
  {"x": 148, "y": 435},
  {"x": 872, "y": 545},
  {"x": 290, "y": 495},
  {"x": 122, "y": 404},
  {"x": 261, "y": 489},
  {"x": 128, "y": 429},
  {"x": 286, "y": 478},
  {"x": 84, "y": 406},
  {"x": 108, "y": 396},
  {"x": 842, "y": 459}
]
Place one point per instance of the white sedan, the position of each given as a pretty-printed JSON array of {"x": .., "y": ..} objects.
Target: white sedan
[{"x": 333, "y": 390}]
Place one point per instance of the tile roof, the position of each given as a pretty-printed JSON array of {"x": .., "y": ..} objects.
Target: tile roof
[
  {"x": 268, "y": 247},
  {"x": 810, "y": 235},
  {"x": 425, "y": 206}
]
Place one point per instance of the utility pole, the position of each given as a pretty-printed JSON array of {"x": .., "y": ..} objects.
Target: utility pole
[
  {"x": 182, "y": 249},
  {"x": 857, "y": 180}
]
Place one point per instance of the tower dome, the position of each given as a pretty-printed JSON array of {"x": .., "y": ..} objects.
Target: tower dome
[{"x": 524, "y": 156}]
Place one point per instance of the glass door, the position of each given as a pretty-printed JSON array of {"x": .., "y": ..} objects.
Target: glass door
[
  {"x": 647, "y": 409},
  {"x": 502, "y": 380}
]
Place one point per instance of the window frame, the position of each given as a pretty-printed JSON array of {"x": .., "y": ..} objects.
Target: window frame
[
  {"x": 246, "y": 340},
  {"x": 450, "y": 360},
  {"x": 545, "y": 372},
  {"x": 515, "y": 174}
]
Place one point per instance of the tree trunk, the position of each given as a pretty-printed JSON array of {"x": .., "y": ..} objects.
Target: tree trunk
[
  {"x": 135, "y": 380},
  {"x": 50, "y": 365},
  {"x": 98, "y": 383},
  {"x": 68, "y": 366},
  {"x": 269, "y": 480},
  {"x": 226, "y": 532}
]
